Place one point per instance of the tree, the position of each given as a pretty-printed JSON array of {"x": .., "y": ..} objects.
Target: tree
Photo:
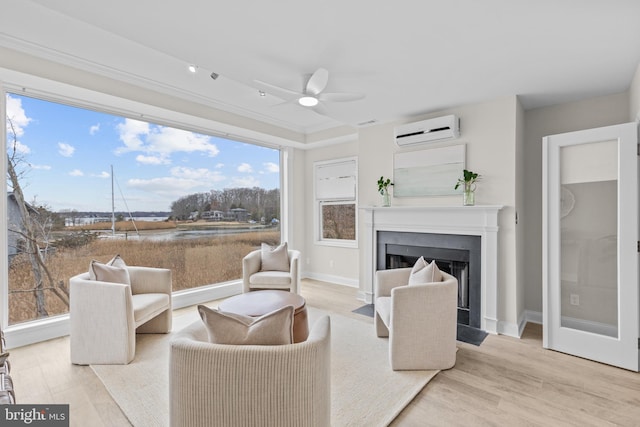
[
  {"x": 257, "y": 201},
  {"x": 30, "y": 231}
]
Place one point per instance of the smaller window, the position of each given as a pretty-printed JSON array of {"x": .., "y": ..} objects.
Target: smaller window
[{"x": 335, "y": 187}]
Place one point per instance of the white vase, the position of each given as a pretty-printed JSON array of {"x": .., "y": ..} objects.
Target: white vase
[
  {"x": 469, "y": 195},
  {"x": 386, "y": 198}
]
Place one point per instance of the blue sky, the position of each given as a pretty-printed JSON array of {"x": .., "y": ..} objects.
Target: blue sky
[{"x": 67, "y": 154}]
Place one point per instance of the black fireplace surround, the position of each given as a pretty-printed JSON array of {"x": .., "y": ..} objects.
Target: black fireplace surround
[{"x": 458, "y": 255}]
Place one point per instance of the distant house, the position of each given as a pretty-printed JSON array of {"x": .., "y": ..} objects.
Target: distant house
[
  {"x": 238, "y": 214},
  {"x": 212, "y": 215},
  {"x": 16, "y": 243}
]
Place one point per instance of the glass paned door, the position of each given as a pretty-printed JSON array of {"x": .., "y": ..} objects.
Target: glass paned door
[{"x": 590, "y": 238}]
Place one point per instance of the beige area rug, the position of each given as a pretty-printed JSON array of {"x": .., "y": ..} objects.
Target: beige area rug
[{"x": 365, "y": 391}]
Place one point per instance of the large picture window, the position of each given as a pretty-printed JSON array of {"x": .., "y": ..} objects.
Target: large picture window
[
  {"x": 336, "y": 195},
  {"x": 84, "y": 184}
]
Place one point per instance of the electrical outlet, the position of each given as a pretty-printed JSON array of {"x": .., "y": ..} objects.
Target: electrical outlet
[{"x": 574, "y": 299}]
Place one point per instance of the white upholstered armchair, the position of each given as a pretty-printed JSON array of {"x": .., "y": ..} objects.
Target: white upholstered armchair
[
  {"x": 253, "y": 278},
  {"x": 106, "y": 316},
  {"x": 250, "y": 385},
  {"x": 419, "y": 319}
]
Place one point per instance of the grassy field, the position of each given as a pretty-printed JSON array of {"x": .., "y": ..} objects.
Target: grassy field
[{"x": 194, "y": 263}]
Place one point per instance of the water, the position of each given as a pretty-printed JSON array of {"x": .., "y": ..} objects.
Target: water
[
  {"x": 68, "y": 222},
  {"x": 165, "y": 235}
]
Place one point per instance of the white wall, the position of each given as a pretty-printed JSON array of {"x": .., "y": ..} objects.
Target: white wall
[
  {"x": 489, "y": 132},
  {"x": 540, "y": 122},
  {"x": 327, "y": 263}
]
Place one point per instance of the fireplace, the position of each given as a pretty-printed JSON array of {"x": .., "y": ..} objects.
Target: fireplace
[
  {"x": 458, "y": 255},
  {"x": 446, "y": 228}
]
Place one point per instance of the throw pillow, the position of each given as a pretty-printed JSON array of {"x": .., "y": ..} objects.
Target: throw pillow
[
  {"x": 275, "y": 328},
  {"x": 108, "y": 273},
  {"x": 116, "y": 261},
  {"x": 424, "y": 273},
  {"x": 275, "y": 259}
]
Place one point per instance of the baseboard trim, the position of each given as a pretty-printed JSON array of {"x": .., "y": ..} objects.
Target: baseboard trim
[
  {"x": 339, "y": 280},
  {"x": 509, "y": 329},
  {"x": 367, "y": 297},
  {"x": 533, "y": 316}
]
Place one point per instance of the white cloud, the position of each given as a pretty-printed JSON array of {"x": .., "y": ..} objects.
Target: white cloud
[
  {"x": 160, "y": 142},
  {"x": 219, "y": 165},
  {"x": 40, "y": 167},
  {"x": 182, "y": 181},
  {"x": 152, "y": 160},
  {"x": 94, "y": 129},
  {"x": 103, "y": 174},
  {"x": 167, "y": 186},
  {"x": 65, "y": 150},
  {"x": 20, "y": 148},
  {"x": 271, "y": 167},
  {"x": 205, "y": 176},
  {"x": 245, "y": 168},
  {"x": 17, "y": 116},
  {"x": 131, "y": 132},
  {"x": 76, "y": 172},
  {"x": 170, "y": 140}
]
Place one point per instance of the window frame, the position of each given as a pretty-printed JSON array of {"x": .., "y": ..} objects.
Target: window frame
[
  {"x": 58, "y": 92},
  {"x": 321, "y": 200}
]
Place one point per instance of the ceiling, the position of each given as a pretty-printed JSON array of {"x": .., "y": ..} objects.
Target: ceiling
[{"x": 408, "y": 58}]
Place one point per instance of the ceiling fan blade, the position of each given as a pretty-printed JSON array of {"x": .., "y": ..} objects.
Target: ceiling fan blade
[
  {"x": 320, "y": 109},
  {"x": 317, "y": 82},
  {"x": 278, "y": 91},
  {"x": 340, "y": 97}
]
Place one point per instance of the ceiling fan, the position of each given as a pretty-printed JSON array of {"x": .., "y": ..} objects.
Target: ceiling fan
[{"x": 312, "y": 94}]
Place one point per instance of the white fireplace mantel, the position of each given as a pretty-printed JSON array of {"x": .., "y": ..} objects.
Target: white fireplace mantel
[{"x": 464, "y": 220}]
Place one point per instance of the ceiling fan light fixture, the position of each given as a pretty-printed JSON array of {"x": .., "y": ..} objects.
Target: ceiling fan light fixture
[{"x": 308, "y": 101}]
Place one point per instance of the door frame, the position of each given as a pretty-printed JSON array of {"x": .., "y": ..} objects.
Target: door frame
[{"x": 622, "y": 350}]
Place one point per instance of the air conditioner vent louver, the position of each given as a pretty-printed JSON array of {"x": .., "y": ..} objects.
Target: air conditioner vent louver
[{"x": 437, "y": 129}]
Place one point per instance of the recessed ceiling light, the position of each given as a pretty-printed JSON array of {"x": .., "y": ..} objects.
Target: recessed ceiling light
[
  {"x": 262, "y": 93},
  {"x": 192, "y": 68},
  {"x": 308, "y": 101}
]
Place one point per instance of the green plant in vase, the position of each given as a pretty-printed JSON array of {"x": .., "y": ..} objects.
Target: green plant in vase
[
  {"x": 383, "y": 189},
  {"x": 468, "y": 181}
]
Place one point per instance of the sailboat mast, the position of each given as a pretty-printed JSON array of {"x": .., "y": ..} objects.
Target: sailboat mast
[{"x": 113, "y": 207}]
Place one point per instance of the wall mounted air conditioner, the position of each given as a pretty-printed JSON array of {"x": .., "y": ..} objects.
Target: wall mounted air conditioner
[{"x": 439, "y": 128}]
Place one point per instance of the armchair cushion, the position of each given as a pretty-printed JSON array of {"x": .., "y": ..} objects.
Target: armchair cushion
[
  {"x": 275, "y": 328},
  {"x": 108, "y": 273},
  {"x": 275, "y": 259},
  {"x": 270, "y": 278},
  {"x": 148, "y": 306},
  {"x": 424, "y": 273}
]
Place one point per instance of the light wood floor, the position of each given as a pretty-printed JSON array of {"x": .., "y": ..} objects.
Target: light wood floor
[{"x": 504, "y": 382}]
